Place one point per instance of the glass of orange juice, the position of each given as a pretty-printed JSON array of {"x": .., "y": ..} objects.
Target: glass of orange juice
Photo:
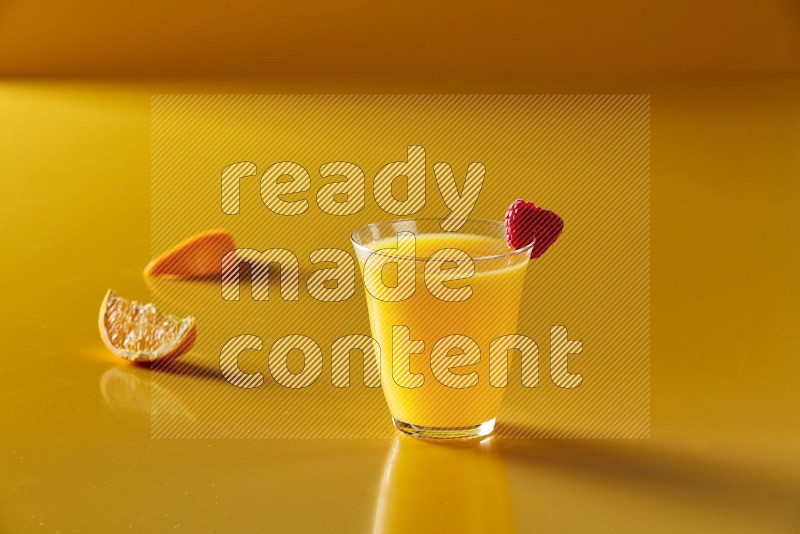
[{"x": 436, "y": 301}]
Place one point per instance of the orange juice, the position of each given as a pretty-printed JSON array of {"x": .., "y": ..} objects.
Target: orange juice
[{"x": 450, "y": 407}]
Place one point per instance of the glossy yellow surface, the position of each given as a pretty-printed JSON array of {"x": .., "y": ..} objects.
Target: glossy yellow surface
[{"x": 75, "y": 455}]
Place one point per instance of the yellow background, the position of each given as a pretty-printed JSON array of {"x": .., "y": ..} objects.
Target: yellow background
[{"x": 75, "y": 160}]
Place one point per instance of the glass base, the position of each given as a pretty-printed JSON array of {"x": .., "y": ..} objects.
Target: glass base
[{"x": 459, "y": 432}]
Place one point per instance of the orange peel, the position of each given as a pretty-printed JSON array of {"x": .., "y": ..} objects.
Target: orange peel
[{"x": 198, "y": 257}]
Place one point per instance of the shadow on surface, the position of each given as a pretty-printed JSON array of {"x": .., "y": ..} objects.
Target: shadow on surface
[
  {"x": 636, "y": 465},
  {"x": 184, "y": 368}
]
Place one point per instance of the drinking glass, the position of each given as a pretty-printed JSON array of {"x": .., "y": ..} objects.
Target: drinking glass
[{"x": 434, "y": 342}]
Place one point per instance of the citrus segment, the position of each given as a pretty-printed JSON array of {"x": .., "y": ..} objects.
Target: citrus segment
[{"x": 140, "y": 333}]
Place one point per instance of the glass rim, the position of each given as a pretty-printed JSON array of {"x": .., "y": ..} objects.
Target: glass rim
[{"x": 359, "y": 246}]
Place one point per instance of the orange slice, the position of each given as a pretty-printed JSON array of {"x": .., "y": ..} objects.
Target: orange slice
[
  {"x": 198, "y": 257},
  {"x": 139, "y": 333}
]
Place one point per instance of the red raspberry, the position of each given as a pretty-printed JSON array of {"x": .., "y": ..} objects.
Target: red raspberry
[{"x": 525, "y": 222}]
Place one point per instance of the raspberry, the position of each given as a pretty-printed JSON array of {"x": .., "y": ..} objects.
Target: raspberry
[{"x": 525, "y": 222}]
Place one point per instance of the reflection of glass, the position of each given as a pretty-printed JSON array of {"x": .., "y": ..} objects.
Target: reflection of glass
[
  {"x": 436, "y": 408},
  {"x": 438, "y": 487}
]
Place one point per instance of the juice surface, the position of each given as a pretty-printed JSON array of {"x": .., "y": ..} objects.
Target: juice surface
[{"x": 490, "y": 312}]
